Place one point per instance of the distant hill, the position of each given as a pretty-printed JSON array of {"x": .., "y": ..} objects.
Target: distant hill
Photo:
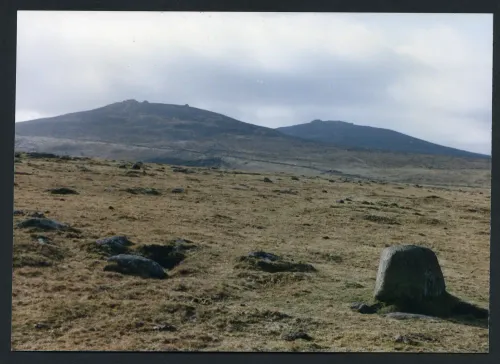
[
  {"x": 186, "y": 135},
  {"x": 349, "y": 135}
]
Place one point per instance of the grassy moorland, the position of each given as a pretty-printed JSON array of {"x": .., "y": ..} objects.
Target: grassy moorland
[{"x": 63, "y": 299}]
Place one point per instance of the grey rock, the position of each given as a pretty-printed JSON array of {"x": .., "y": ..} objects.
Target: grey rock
[
  {"x": 178, "y": 190},
  {"x": 363, "y": 308},
  {"x": 135, "y": 265},
  {"x": 408, "y": 273},
  {"x": 137, "y": 165},
  {"x": 63, "y": 191},
  {"x": 114, "y": 244},
  {"x": 265, "y": 256},
  {"x": 43, "y": 224},
  {"x": 143, "y": 191},
  {"x": 267, "y": 180},
  {"x": 295, "y": 335},
  {"x": 18, "y": 212}
]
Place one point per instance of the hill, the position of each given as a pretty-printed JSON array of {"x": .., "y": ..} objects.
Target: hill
[
  {"x": 176, "y": 134},
  {"x": 349, "y": 135}
]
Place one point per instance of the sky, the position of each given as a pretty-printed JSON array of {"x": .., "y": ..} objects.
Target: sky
[{"x": 425, "y": 75}]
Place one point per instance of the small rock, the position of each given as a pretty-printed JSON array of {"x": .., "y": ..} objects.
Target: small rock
[
  {"x": 182, "y": 170},
  {"x": 296, "y": 335},
  {"x": 326, "y": 237},
  {"x": 37, "y": 214},
  {"x": 18, "y": 212},
  {"x": 295, "y": 178},
  {"x": 363, "y": 308},
  {"x": 43, "y": 224},
  {"x": 178, "y": 190},
  {"x": 114, "y": 244},
  {"x": 136, "y": 265},
  {"x": 267, "y": 180},
  {"x": 325, "y": 191},
  {"x": 63, "y": 191},
  {"x": 143, "y": 191},
  {"x": 263, "y": 255},
  {"x": 340, "y": 201},
  {"x": 111, "y": 208},
  {"x": 165, "y": 327},
  {"x": 41, "y": 325},
  {"x": 137, "y": 165}
]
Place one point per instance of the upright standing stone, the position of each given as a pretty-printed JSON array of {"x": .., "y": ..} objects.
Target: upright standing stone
[{"x": 408, "y": 273}]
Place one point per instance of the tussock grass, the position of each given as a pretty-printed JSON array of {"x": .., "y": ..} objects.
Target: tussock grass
[{"x": 64, "y": 300}]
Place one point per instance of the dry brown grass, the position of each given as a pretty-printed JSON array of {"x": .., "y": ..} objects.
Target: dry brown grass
[{"x": 214, "y": 304}]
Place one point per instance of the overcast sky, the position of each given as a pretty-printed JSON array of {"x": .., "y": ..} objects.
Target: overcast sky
[{"x": 426, "y": 75}]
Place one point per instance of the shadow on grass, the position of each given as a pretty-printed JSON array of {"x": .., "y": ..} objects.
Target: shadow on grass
[{"x": 446, "y": 307}]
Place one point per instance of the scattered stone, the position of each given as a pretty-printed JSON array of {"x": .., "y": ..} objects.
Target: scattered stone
[
  {"x": 408, "y": 273},
  {"x": 263, "y": 255},
  {"x": 295, "y": 178},
  {"x": 409, "y": 316},
  {"x": 178, "y": 190},
  {"x": 272, "y": 263},
  {"x": 63, "y": 191},
  {"x": 267, "y": 180},
  {"x": 18, "y": 212},
  {"x": 143, "y": 191},
  {"x": 182, "y": 170},
  {"x": 135, "y": 265},
  {"x": 114, "y": 244},
  {"x": 331, "y": 180},
  {"x": 41, "y": 325},
  {"x": 165, "y": 327},
  {"x": 363, "y": 308},
  {"x": 43, "y": 224},
  {"x": 288, "y": 192},
  {"x": 340, "y": 201},
  {"x": 325, "y": 191},
  {"x": 111, "y": 208},
  {"x": 168, "y": 256},
  {"x": 41, "y": 239},
  {"x": 326, "y": 237},
  {"x": 296, "y": 335},
  {"x": 137, "y": 165}
]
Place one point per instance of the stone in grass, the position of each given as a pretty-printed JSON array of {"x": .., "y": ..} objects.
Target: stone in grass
[
  {"x": 135, "y": 265},
  {"x": 363, "y": 308},
  {"x": 267, "y": 180},
  {"x": 296, "y": 335},
  {"x": 137, "y": 165},
  {"x": 44, "y": 224},
  {"x": 271, "y": 263},
  {"x": 408, "y": 273},
  {"x": 114, "y": 244},
  {"x": 63, "y": 191},
  {"x": 143, "y": 191},
  {"x": 177, "y": 190}
]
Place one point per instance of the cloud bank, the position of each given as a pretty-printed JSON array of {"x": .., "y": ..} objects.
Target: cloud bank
[{"x": 429, "y": 76}]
